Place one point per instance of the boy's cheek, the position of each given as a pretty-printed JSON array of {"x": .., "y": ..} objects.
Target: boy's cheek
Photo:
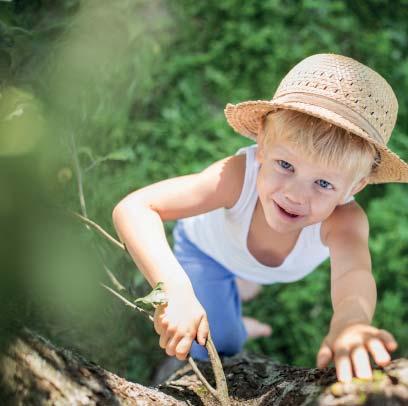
[{"x": 267, "y": 185}]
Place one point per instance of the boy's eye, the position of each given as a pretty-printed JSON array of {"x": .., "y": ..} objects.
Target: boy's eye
[
  {"x": 321, "y": 182},
  {"x": 324, "y": 184},
  {"x": 284, "y": 164}
]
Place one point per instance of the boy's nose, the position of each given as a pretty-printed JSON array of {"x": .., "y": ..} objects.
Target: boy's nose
[
  {"x": 295, "y": 195},
  {"x": 294, "y": 205}
]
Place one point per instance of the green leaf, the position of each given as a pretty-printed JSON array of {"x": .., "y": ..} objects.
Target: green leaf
[
  {"x": 155, "y": 298},
  {"x": 123, "y": 154}
]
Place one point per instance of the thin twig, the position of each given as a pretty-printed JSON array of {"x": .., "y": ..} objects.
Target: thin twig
[
  {"x": 202, "y": 377},
  {"x": 114, "y": 281},
  {"x": 123, "y": 299},
  {"x": 99, "y": 229},
  {"x": 221, "y": 393},
  {"x": 84, "y": 217},
  {"x": 194, "y": 366},
  {"x": 127, "y": 302},
  {"x": 221, "y": 382},
  {"x": 94, "y": 163},
  {"x": 222, "y": 390},
  {"x": 79, "y": 176}
]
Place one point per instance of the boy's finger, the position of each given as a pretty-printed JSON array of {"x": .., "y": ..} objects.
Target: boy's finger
[
  {"x": 388, "y": 340},
  {"x": 202, "y": 332},
  {"x": 378, "y": 351},
  {"x": 158, "y": 319},
  {"x": 171, "y": 345},
  {"x": 157, "y": 324},
  {"x": 343, "y": 367},
  {"x": 183, "y": 347},
  {"x": 324, "y": 356},
  {"x": 164, "y": 339},
  {"x": 361, "y": 363}
]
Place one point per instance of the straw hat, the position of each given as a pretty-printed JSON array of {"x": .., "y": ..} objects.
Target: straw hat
[{"x": 340, "y": 90}]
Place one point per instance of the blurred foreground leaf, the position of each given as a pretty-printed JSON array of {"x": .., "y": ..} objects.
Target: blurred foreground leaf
[{"x": 22, "y": 123}]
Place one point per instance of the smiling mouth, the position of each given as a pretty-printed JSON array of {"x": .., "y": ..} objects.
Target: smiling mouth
[{"x": 286, "y": 212}]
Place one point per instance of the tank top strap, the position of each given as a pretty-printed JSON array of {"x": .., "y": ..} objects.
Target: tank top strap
[
  {"x": 312, "y": 234},
  {"x": 248, "y": 192}
]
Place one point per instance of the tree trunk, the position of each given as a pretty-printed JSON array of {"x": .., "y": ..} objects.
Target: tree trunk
[{"x": 35, "y": 372}]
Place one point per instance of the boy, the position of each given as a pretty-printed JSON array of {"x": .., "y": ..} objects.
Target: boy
[{"x": 273, "y": 212}]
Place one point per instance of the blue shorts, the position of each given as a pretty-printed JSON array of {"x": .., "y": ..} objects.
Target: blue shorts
[{"x": 216, "y": 289}]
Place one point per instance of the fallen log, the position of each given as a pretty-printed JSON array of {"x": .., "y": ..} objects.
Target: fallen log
[{"x": 35, "y": 372}]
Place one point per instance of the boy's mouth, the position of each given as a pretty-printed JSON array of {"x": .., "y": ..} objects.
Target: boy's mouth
[{"x": 286, "y": 212}]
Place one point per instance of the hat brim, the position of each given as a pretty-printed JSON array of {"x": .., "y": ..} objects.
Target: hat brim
[{"x": 246, "y": 119}]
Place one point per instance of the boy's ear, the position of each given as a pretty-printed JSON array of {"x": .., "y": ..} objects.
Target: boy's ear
[
  {"x": 360, "y": 185},
  {"x": 259, "y": 154}
]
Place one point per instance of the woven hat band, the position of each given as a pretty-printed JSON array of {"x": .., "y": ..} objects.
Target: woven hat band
[{"x": 332, "y": 105}]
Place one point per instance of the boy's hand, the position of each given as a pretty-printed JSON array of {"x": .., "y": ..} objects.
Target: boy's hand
[
  {"x": 350, "y": 348},
  {"x": 179, "y": 322}
]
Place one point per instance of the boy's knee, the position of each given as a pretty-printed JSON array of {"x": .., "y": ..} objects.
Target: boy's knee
[{"x": 229, "y": 343}]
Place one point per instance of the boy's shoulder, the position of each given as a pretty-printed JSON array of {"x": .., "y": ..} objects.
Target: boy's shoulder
[
  {"x": 223, "y": 178},
  {"x": 346, "y": 221},
  {"x": 234, "y": 173}
]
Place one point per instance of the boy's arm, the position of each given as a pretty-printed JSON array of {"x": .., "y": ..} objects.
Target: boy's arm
[
  {"x": 353, "y": 294},
  {"x": 138, "y": 220},
  {"x": 353, "y": 288}
]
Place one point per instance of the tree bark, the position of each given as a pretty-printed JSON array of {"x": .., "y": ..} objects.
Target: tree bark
[{"x": 35, "y": 372}]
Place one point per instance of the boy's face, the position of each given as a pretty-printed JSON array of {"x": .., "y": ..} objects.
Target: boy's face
[{"x": 295, "y": 190}]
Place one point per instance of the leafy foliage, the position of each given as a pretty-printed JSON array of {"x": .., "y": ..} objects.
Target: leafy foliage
[{"x": 142, "y": 86}]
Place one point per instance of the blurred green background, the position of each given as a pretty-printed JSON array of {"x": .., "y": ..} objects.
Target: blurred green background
[{"x": 122, "y": 94}]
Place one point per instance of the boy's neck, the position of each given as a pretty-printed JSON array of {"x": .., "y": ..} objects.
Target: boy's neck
[{"x": 263, "y": 226}]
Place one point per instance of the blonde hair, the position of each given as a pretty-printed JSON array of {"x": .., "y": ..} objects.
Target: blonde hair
[{"x": 325, "y": 142}]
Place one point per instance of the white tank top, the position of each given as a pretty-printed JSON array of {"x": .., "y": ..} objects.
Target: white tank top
[{"x": 222, "y": 234}]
